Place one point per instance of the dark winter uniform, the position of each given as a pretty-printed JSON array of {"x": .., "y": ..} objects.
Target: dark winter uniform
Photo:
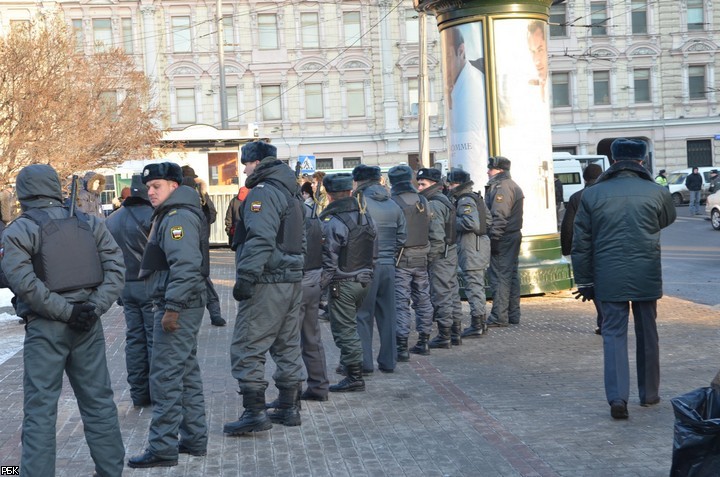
[
  {"x": 53, "y": 343},
  {"x": 130, "y": 226}
]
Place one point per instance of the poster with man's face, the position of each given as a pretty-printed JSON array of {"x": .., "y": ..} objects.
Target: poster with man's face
[{"x": 464, "y": 75}]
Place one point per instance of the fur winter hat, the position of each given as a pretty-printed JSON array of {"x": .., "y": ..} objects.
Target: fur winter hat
[
  {"x": 430, "y": 174},
  {"x": 458, "y": 176},
  {"x": 257, "y": 151},
  {"x": 164, "y": 170},
  {"x": 366, "y": 173},
  {"x": 499, "y": 162},
  {"x": 340, "y": 182},
  {"x": 401, "y": 173},
  {"x": 188, "y": 172},
  {"x": 628, "y": 150}
]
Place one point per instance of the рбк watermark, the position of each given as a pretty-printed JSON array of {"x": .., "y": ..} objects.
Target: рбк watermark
[{"x": 9, "y": 470}]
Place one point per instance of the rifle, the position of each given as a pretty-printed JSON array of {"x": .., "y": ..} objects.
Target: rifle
[{"x": 73, "y": 194}]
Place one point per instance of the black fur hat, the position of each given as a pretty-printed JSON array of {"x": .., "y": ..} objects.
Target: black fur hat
[
  {"x": 188, "y": 172},
  {"x": 163, "y": 170},
  {"x": 366, "y": 173},
  {"x": 401, "y": 173},
  {"x": 340, "y": 182},
  {"x": 430, "y": 174},
  {"x": 458, "y": 176},
  {"x": 499, "y": 162},
  {"x": 628, "y": 149},
  {"x": 257, "y": 151}
]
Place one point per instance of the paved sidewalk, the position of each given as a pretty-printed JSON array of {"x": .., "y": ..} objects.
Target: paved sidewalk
[{"x": 526, "y": 400}]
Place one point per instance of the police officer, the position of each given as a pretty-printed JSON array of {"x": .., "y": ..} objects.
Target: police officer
[
  {"x": 504, "y": 198},
  {"x": 173, "y": 257},
  {"x": 442, "y": 258},
  {"x": 130, "y": 226},
  {"x": 412, "y": 284},
  {"x": 269, "y": 263},
  {"x": 473, "y": 223},
  {"x": 61, "y": 310},
  {"x": 348, "y": 250},
  {"x": 380, "y": 301}
]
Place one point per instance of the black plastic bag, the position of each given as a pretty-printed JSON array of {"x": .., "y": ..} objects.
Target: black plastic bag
[{"x": 696, "y": 443}]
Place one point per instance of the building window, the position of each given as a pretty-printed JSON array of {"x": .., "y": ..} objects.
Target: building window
[
  {"x": 355, "y": 99},
  {"x": 267, "y": 32},
  {"x": 696, "y": 82},
  {"x": 181, "y": 34},
  {"x": 639, "y": 17},
  {"x": 323, "y": 164},
  {"x": 228, "y": 32},
  {"x": 350, "y": 162},
  {"x": 351, "y": 27},
  {"x": 413, "y": 96},
  {"x": 102, "y": 34},
  {"x": 309, "y": 29},
  {"x": 412, "y": 26},
  {"x": 231, "y": 93},
  {"x": 642, "y": 85},
  {"x": 77, "y": 26},
  {"x": 560, "y": 90},
  {"x": 699, "y": 153},
  {"x": 598, "y": 18},
  {"x": 313, "y": 101},
  {"x": 695, "y": 15},
  {"x": 127, "y": 36},
  {"x": 185, "y": 98},
  {"x": 558, "y": 21},
  {"x": 601, "y": 87},
  {"x": 271, "y": 108}
]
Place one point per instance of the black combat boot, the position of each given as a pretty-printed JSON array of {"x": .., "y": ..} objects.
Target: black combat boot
[
  {"x": 353, "y": 382},
  {"x": 442, "y": 340},
  {"x": 287, "y": 412},
  {"x": 276, "y": 403},
  {"x": 455, "y": 333},
  {"x": 421, "y": 347},
  {"x": 254, "y": 418},
  {"x": 402, "y": 349},
  {"x": 476, "y": 329}
]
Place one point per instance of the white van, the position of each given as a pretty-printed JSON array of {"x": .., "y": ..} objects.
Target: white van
[{"x": 569, "y": 169}]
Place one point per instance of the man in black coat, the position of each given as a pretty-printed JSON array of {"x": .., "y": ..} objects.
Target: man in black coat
[{"x": 694, "y": 183}]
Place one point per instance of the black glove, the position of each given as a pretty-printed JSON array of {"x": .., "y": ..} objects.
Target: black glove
[
  {"x": 364, "y": 278},
  {"x": 586, "y": 293},
  {"x": 83, "y": 317},
  {"x": 494, "y": 247},
  {"x": 243, "y": 289}
]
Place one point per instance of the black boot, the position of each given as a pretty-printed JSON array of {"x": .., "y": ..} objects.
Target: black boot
[
  {"x": 287, "y": 412},
  {"x": 442, "y": 340},
  {"x": 253, "y": 419},
  {"x": 402, "y": 349},
  {"x": 476, "y": 329},
  {"x": 353, "y": 382},
  {"x": 276, "y": 403},
  {"x": 455, "y": 333},
  {"x": 421, "y": 347}
]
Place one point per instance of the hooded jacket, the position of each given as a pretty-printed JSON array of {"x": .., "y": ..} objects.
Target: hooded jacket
[
  {"x": 40, "y": 188},
  {"x": 388, "y": 218},
  {"x": 616, "y": 240},
  {"x": 258, "y": 259},
  {"x": 88, "y": 198},
  {"x": 440, "y": 214},
  {"x": 473, "y": 249},
  {"x": 130, "y": 226}
]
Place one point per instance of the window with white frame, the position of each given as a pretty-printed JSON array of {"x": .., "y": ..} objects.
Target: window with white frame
[
  {"x": 127, "y": 36},
  {"x": 560, "y": 89},
  {"x": 231, "y": 93},
  {"x": 598, "y": 18},
  {"x": 641, "y": 83},
  {"x": 309, "y": 30},
  {"x": 271, "y": 106},
  {"x": 601, "y": 88},
  {"x": 412, "y": 26},
  {"x": 639, "y": 16},
  {"x": 181, "y": 34},
  {"x": 267, "y": 31},
  {"x": 697, "y": 88},
  {"x": 228, "y": 40},
  {"x": 558, "y": 21},
  {"x": 413, "y": 96},
  {"x": 351, "y": 28},
  {"x": 102, "y": 34},
  {"x": 695, "y": 15},
  {"x": 185, "y": 100},
  {"x": 355, "y": 94},
  {"x": 313, "y": 101},
  {"x": 77, "y": 26}
]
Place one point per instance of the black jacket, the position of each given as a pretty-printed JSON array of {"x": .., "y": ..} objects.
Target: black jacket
[{"x": 694, "y": 181}]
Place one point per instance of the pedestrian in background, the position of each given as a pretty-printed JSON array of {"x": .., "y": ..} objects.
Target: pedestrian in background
[
  {"x": 694, "y": 183},
  {"x": 616, "y": 260},
  {"x": 63, "y": 332},
  {"x": 232, "y": 215},
  {"x": 174, "y": 266},
  {"x": 88, "y": 195},
  {"x": 714, "y": 180},
  {"x": 661, "y": 178}
]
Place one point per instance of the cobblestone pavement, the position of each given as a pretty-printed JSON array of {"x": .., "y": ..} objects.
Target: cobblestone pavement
[{"x": 526, "y": 400}]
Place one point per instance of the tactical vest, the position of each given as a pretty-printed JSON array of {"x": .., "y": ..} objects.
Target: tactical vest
[
  {"x": 68, "y": 258},
  {"x": 314, "y": 241},
  {"x": 290, "y": 234},
  {"x": 450, "y": 223},
  {"x": 482, "y": 213},
  {"x": 154, "y": 258},
  {"x": 417, "y": 217},
  {"x": 359, "y": 252}
]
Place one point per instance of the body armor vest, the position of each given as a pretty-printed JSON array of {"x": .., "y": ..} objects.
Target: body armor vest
[
  {"x": 482, "y": 213},
  {"x": 314, "y": 241},
  {"x": 359, "y": 252},
  {"x": 68, "y": 258},
  {"x": 417, "y": 217},
  {"x": 450, "y": 223}
]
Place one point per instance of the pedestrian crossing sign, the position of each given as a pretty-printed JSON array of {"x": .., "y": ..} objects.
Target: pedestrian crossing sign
[{"x": 307, "y": 164}]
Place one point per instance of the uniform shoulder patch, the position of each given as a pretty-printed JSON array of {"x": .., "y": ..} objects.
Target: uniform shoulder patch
[
  {"x": 467, "y": 209},
  {"x": 499, "y": 198},
  {"x": 255, "y": 206},
  {"x": 177, "y": 232},
  {"x": 172, "y": 212}
]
